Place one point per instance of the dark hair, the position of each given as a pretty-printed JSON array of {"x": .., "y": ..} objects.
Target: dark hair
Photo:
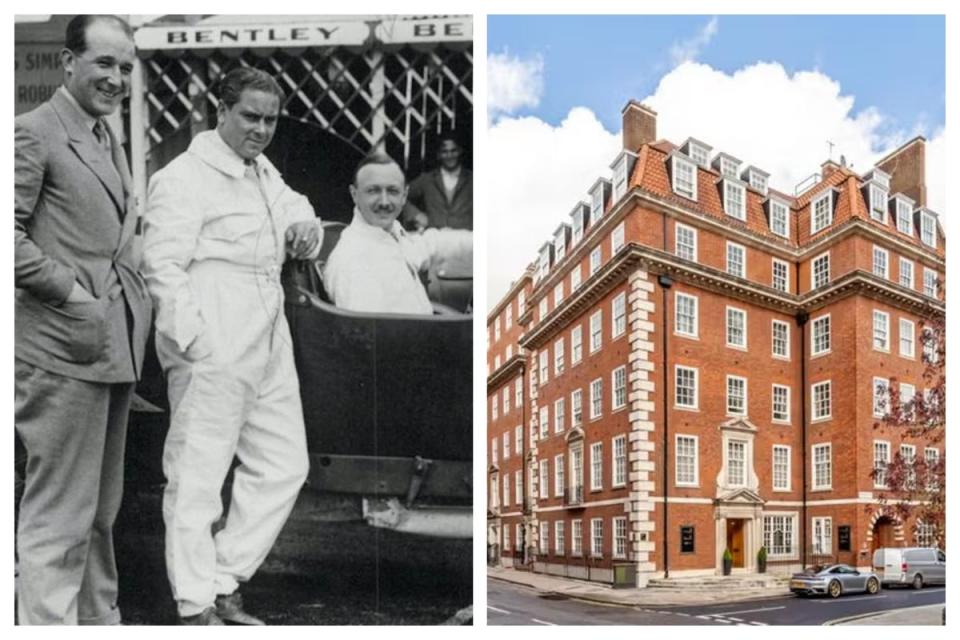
[
  {"x": 76, "y": 36},
  {"x": 241, "y": 78},
  {"x": 374, "y": 157}
]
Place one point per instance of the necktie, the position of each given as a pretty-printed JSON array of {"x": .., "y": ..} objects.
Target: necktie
[{"x": 100, "y": 133}]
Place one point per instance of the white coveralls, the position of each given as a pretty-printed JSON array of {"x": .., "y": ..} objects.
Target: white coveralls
[{"x": 213, "y": 250}]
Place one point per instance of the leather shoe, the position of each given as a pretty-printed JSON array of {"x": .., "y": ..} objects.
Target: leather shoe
[
  {"x": 206, "y": 617},
  {"x": 230, "y": 609}
]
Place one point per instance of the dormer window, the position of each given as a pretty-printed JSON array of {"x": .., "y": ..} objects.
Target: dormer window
[
  {"x": 543, "y": 268},
  {"x": 734, "y": 199},
  {"x": 697, "y": 151},
  {"x": 882, "y": 179},
  {"x": 779, "y": 217},
  {"x": 757, "y": 179},
  {"x": 821, "y": 212},
  {"x": 621, "y": 168},
  {"x": 560, "y": 243},
  {"x": 596, "y": 203},
  {"x": 729, "y": 167},
  {"x": 878, "y": 203},
  {"x": 684, "y": 177},
  {"x": 928, "y": 229},
  {"x": 904, "y": 216},
  {"x": 577, "y": 225}
]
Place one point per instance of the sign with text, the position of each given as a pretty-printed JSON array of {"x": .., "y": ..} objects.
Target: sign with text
[
  {"x": 37, "y": 74},
  {"x": 843, "y": 537},
  {"x": 687, "y": 539},
  {"x": 441, "y": 29},
  {"x": 244, "y": 36}
]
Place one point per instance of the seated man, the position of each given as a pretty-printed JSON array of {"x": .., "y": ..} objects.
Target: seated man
[{"x": 375, "y": 265}]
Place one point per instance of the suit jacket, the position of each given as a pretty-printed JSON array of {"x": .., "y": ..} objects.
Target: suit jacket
[
  {"x": 428, "y": 196},
  {"x": 76, "y": 219}
]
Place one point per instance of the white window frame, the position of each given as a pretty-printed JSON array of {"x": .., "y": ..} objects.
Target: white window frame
[
  {"x": 736, "y": 474},
  {"x": 729, "y": 167},
  {"x": 518, "y": 487},
  {"x": 596, "y": 260},
  {"x": 827, "y": 470},
  {"x": 785, "y": 355},
  {"x": 495, "y": 450},
  {"x": 558, "y": 475},
  {"x": 815, "y": 409},
  {"x": 617, "y": 238},
  {"x": 596, "y": 398},
  {"x": 678, "y": 323},
  {"x": 618, "y": 384},
  {"x": 681, "y": 455},
  {"x": 880, "y": 393},
  {"x": 735, "y": 200},
  {"x": 559, "y": 356},
  {"x": 576, "y": 344},
  {"x": 907, "y": 328},
  {"x": 679, "y": 185},
  {"x": 543, "y": 490},
  {"x": 736, "y": 380},
  {"x": 878, "y": 193},
  {"x": 677, "y": 387},
  {"x": 505, "y": 402},
  {"x": 773, "y": 403},
  {"x": 559, "y": 415},
  {"x": 558, "y": 294},
  {"x": 596, "y": 331},
  {"x": 822, "y": 535},
  {"x": 543, "y": 421},
  {"x": 518, "y": 392},
  {"x": 596, "y": 537},
  {"x": 543, "y": 308},
  {"x": 517, "y": 438},
  {"x": 758, "y": 181},
  {"x": 930, "y": 285},
  {"x": 905, "y": 275},
  {"x": 780, "y": 283},
  {"x": 683, "y": 249},
  {"x": 558, "y": 538},
  {"x": 742, "y": 250},
  {"x": 881, "y": 262},
  {"x": 506, "y": 446},
  {"x": 620, "y": 177},
  {"x": 576, "y": 537},
  {"x": 731, "y": 314},
  {"x": 576, "y": 277},
  {"x": 786, "y": 451},
  {"x": 544, "y": 541},
  {"x": 928, "y": 229},
  {"x": 779, "y": 218},
  {"x": 816, "y": 223},
  {"x": 493, "y": 406},
  {"x": 820, "y": 277},
  {"x": 881, "y": 460},
  {"x": 544, "y": 369},
  {"x": 816, "y": 327},
  {"x": 618, "y": 461},
  {"x": 619, "y": 315},
  {"x": 907, "y": 394},
  {"x": 596, "y": 466},
  {"x": 904, "y": 217},
  {"x": 576, "y": 407},
  {"x": 577, "y": 232},
  {"x": 521, "y": 303},
  {"x": 620, "y": 537},
  {"x": 596, "y": 203},
  {"x": 881, "y": 331},
  {"x": 506, "y": 489},
  {"x": 772, "y": 521},
  {"x": 908, "y": 454}
]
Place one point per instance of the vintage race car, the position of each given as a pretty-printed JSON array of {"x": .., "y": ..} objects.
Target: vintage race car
[{"x": 387, "y": 402}]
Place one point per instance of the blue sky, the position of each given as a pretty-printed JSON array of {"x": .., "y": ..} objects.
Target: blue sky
[{"x": 893, "y": 63}]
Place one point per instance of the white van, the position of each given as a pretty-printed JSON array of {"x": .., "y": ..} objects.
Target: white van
[{"x": 915, "y": 566}]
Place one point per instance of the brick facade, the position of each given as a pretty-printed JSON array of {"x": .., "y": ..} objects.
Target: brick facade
[{"x": 717, "y": 409}]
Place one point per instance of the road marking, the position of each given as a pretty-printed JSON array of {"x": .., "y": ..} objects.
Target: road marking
[
  {"x": 727, "y": 613},
  {"x": 503, "y": 611},
  {"x": 853, "y": 599},
  {"x": 737, "y": 619},
  {"x": 918, "y": 592},
  {"x": 722, "y": 620},
  {"x": 704, "y": 617},
  {"x": 685, "y": 615},
  {"x": 760, "y": 624},
  {"x": 549, "y": 624}
]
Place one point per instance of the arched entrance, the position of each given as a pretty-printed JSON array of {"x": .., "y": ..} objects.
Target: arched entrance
[{"x": 883, "y": 532}]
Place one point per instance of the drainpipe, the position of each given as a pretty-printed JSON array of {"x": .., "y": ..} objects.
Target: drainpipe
[
  {"x": 523, "y": 464},
  {"x": 665, "y": 283},
  {"x": 802, "y": 318}
]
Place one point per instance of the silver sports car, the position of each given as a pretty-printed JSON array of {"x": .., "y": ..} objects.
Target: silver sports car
[{"x": 834, "y": 580}]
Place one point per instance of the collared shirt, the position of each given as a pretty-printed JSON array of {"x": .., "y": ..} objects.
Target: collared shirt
[
  {"x": 376, "y": 270},
  {"x": 209, "y": 209},
  {"x": 450, "y": 179}
]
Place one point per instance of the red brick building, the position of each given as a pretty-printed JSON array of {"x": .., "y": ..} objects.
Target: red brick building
[{"x": 694, "y": 361}]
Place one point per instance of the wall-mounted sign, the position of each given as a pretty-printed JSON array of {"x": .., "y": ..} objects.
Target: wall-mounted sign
[
  {"x": 37, "y": 74},
  {"x": 439, "y": 29},
  {"x": 687, "y": 538},
  {"x": 245, "y": 36},
  {"x": 843, "y": 537}
]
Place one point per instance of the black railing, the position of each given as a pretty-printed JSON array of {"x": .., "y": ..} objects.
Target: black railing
[{"x": 573, "y": 496}]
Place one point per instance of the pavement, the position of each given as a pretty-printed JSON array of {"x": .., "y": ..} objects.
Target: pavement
[{"x": 666, "y": 597}]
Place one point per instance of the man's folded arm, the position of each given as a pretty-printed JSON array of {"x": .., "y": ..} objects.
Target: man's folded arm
[
  {"x": 171, "y": 231},
  {"x": 298, "y": 209},
  {"x": 43, "y": 276}
]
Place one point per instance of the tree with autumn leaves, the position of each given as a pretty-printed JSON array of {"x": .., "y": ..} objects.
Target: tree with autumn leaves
[{"x": 917, "y": 487}]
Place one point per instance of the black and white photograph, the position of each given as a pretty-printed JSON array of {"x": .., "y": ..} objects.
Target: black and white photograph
[{"x": 243, "y": 273}]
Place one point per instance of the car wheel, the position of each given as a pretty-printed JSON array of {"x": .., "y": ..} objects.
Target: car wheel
[
  {"x": 873, "y": 585},
  {"x": 834, "y": 589},
  {"x": 918, "y": 581}
]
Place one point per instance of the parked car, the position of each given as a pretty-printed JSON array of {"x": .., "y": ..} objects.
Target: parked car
[
  {"x": 915, "y": 566},
  {"x": 833, "y": 580}
]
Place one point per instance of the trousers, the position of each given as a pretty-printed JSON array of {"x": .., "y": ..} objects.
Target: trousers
[
  {"x": 74, "y": 433},
  {"x": 243, "y": 400}
]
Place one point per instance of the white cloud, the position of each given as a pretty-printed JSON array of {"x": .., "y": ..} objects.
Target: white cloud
[
  {"x": 537, "y": 173},
  {"x": 760, "y": 114},
  {"x": 689, "y": 49},
  {"x": 513, "y": 82}
]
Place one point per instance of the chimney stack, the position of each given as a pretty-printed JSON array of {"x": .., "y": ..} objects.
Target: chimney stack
[
  {"x": 827, "y": 168},
  {"x": 907, "y": 169},
  {"x": 639, "y": 125}
]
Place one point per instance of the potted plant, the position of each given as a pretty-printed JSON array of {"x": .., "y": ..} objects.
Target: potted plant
[
  {"x": 762, "y": 560},
  {"x": 727, "y": 562}
]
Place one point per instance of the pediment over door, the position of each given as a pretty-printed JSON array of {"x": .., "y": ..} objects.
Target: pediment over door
[
  {"x": 742, "y": 496},
  {"x": 739, "y": 424}
]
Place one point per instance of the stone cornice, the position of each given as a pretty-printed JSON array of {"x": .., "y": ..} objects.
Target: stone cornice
[{"x": 507, "y": 370}]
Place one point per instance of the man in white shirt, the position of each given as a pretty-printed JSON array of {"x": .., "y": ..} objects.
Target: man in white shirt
[{"x": 375, "y": 265}]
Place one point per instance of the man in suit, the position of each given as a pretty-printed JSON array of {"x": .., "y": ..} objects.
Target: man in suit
[{"x": 82, "y": 315}]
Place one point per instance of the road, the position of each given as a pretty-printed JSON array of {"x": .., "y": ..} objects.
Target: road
[{"x": 509, "y": 604}]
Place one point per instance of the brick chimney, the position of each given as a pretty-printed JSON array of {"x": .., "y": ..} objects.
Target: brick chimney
[
  {"x": 827, "y": 168},
  {"x": 907, "y": 169},
  {"x": 639, "y": 125}
]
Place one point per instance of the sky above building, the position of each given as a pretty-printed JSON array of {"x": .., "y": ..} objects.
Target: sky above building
[{"x": 784, "y": 93}]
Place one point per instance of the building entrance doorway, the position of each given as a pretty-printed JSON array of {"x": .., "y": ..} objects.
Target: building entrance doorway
[
  {"x": 735, "y": 541},
  {"x": 883, "y": 533}
]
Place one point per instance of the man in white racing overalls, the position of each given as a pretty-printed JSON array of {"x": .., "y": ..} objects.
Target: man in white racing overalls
[{"x": 219, "y": 223}]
